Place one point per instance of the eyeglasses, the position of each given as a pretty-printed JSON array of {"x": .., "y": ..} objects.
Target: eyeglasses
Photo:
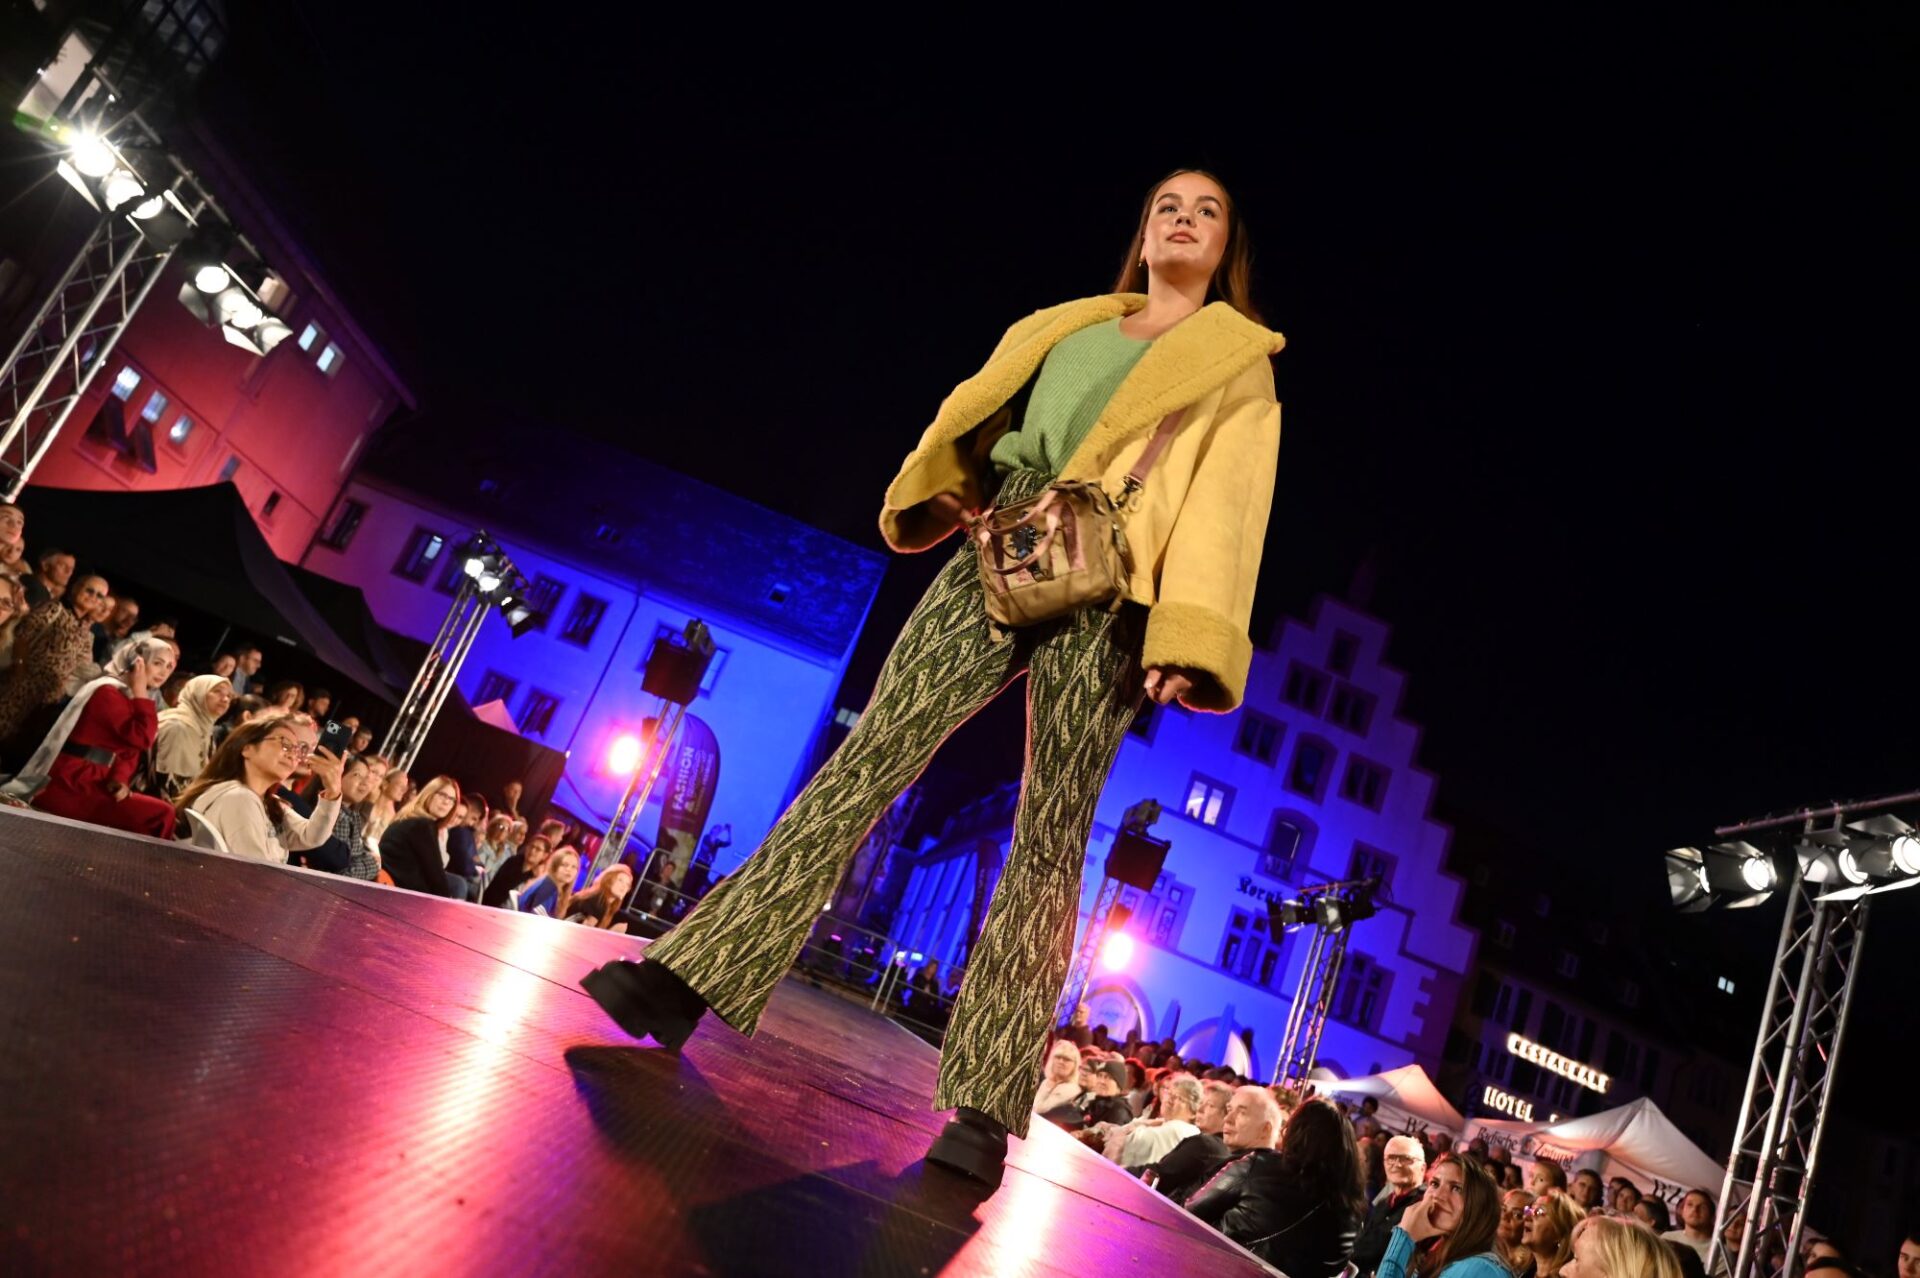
[
  {"x": 288, "y": 746},
  {"x": 1514, "y": 1213},
  {"x": 1532, "y": 1213},
  {"x": 1401, "y": 1160}
]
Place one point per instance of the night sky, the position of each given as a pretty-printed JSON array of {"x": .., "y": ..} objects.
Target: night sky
[{"x": 1596, "y": 346}]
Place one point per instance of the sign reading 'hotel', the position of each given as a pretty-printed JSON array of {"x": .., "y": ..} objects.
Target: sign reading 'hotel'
[{"x": 1585, "y": 1075}]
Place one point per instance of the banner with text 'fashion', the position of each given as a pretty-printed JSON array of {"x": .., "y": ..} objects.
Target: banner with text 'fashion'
[{"x": 691, "y": 775}]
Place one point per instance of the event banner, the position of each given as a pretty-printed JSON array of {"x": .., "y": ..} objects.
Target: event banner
[{"x": 690, "y": 778}]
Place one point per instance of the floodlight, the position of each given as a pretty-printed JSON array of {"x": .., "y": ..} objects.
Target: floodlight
[
  {"x": 93, "y": 157},
  {"x": 1730, "y": 876},
  {"x": 120, "y": 188},
  {"x": 212, "y": 278},
  {"x": 1884, "y": 847},
  {"x": 1288, "y": 915},
  {"x": 487, "y": 582},
  {"x": 474, "y": 566}
]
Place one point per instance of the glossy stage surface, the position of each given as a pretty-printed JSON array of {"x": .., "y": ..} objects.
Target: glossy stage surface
[{"x": 212, "y": 1066}]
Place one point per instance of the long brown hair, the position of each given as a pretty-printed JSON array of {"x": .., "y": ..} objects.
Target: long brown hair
[
  {"x": 1318, "y": 1151},
  {"x": 417, "y": 805},
  {"x": 229, "y": 764},
  {"x": 1479, "y": 1225},
  {"x": 1232, "y": 280},
  {"x": 601, "y": 901},
  {"x": 1561, "y": 1214}
]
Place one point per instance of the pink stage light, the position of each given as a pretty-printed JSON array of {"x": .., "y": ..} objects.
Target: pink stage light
[
  {"x": 624, "y": 757},
  {"x": 1117, "y": 952}
]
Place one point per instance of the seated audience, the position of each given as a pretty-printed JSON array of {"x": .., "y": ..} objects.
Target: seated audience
[
  {"x": 1141, "y": 1089},
  {"x": 462, "y": 873},
  {"x": 286, "y": 695},
  {"x": 122, "y": 615},
  {"x": 1622, "y": 1196},
  {"x": 85, "y": 768},
  {"x": 1545, "y": 1176},
  {"x": 319, "y": 705},
  {"x": 600, "y": 905},
  {"x": 391, "y": 797},
  {"x": 519, "y": 870},
  {"x": 1404, "y": 1162},
  {"x": 510, "y": 798},
  {"x": 238, "y": 793},
  {"x": 413, "y": 850},
  {"x": 495, "y": 846},
  {"x": 1587, "y": 1192},
  {"x": 1192, "y": 1162},
  {"x": 1451, "y": 1231},
  {"x": 300, "y": 792},
  {"x": 552, "y": 892},
  {"x": 1146, "y": 1141},
  {"x": 1547, "y": 1230},
  {"x": 1297, "y": 1206},
  {"x": 52, "y": 580},
  {"x": 1606, "y": 1247},
  {"x": 50, "y": 645},
  {"x": 1510, "y": 1238},
  {"x": 185, "y": 742},
  {"x": 13, "y": 611},
  {"x": 1060, "y": 1078},
  {"x": 1099, "y": 1099},
  {"x": 1696, "y": 1224},
  {"x": 1651, "y": 1211},
  {"x": 350, "y": 828},
  {"x": 362, "y": 740}
]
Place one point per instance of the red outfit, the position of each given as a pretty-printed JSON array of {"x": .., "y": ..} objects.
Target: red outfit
[{"x": 75, "y": 788}]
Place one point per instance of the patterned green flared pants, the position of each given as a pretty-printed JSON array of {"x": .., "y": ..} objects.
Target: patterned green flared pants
[{"x": 1084, "y": 685}]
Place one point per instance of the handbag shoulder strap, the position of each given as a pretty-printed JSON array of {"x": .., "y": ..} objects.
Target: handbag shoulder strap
[{"x": 1137, "y": 477}]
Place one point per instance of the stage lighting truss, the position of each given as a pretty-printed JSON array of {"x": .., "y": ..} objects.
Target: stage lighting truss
[
  {"x": 1331, "y": 909},
  {"x": 1728, "y": 876}
]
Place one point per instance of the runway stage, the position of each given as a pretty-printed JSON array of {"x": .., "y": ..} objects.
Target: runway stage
[{"x": 211, "y": 1066}]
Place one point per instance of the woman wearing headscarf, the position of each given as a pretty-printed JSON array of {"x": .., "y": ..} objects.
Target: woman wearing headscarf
[
  {"x": 185, "y": 742},
  {"x": 86, "y": 766}
]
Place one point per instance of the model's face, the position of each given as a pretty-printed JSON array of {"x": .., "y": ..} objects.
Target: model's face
[
  {"x": 1447, "y": 1192},
  {"x": 1405, "y": 1162},
  {"x": 1063, "y": 1062},
  {"x": 218, "y": 699},
  {"x": 1187, "y": 229},
  {"x": 1696, "y": 1213}
]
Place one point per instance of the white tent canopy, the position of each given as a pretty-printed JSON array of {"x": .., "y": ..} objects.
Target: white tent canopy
[
  {"x": 1408, "y": 1100},
  {"x": 1636, "y": 1141}
]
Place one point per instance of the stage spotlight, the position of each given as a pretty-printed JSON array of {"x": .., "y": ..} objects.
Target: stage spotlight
[
  {"x": 1285, "y": 916},
  {"x": 1879, "y": 848},
  {"x": 624, "y": 757},
  {"x": 211, "y": 278},
  {"x": 1730, "y": 876},
  {"x": 120, "y": 188},
  {"x": 239, "y": 310},
  {"x": 93, "y": 157},
  {"x": 1116, "y": 952}
]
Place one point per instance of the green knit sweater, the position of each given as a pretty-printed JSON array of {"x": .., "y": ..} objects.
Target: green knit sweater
[{"x": 1078, "y": 377}]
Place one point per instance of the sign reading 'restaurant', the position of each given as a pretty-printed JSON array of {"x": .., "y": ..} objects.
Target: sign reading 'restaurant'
[
  {"x": 1585, "y": 1075},
  {"x": 1508, "y": 1103}
]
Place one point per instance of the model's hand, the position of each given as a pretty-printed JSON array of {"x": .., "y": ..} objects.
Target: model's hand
[
  {"x": 1165, "y": 684},
  {"x": 1417, "y": 1221},
  {"x": 947, "y": 510}
]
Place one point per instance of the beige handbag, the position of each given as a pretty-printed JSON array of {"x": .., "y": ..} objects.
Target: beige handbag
[{"x": 1064, "y": 549}]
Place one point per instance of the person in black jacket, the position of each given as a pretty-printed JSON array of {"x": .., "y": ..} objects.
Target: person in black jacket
[
  {"x": 1192, "y": 1162},
  {"x": 1296, "y": 1207},
  {"x": 1099, "y": 1100},
  {"x": 413, "y": 850},
  {"x": 1406, "y": 1167}
]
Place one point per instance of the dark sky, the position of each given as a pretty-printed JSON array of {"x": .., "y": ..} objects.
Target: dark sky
[{"x": 1597, "y": 347}]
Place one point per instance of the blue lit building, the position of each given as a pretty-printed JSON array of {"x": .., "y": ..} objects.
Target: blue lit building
[
  {"x": 617, "y": 549},
  {"x": 1314, "y": 780}
]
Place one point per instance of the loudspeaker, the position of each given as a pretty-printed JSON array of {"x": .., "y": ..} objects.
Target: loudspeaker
[
  {"x": 1135, "y": 859},
  {"x": 674, "y": 672}
]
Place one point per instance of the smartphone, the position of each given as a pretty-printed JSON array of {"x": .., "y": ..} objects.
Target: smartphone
[{"x": 336, "y": 738}]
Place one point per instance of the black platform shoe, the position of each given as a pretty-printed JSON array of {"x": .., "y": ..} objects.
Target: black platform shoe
[
  {"x": 973, "y": 1145},
  {"x": 646, "y": 1000}
]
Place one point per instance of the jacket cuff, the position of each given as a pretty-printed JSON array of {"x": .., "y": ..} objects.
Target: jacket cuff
[
  {"x": 912, "y": 529},
  {"x": 1191, "y": 635}
]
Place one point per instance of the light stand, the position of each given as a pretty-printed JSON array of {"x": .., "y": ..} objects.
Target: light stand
[
  {"x": 1332, "y": 909},
  {"x": 487, "y": 580},
  {"x": 1134, "y": 861},
  {"x": 673, "y": 674}
]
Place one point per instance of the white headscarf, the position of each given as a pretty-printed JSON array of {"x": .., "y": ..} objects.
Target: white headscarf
[
  {"x": 186, "y": 731},
  {"x": 32, "y": 778}
]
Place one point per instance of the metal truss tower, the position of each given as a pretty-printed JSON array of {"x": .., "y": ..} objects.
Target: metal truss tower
[
  {"x": 434, "y": 679},
  {"x": 1784, "y": 1112},
  {"x": 1104, "y": 901},
  {"x": 1307, "y": 1018}
]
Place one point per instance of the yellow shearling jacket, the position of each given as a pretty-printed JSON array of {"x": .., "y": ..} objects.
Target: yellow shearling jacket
[{"x": 1197, "y": 530}]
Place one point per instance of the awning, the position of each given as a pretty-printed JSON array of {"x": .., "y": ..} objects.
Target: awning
[
  {"x": 198, "y": 547},
  {"x": 1408, "y": 1100},
  {"x": 1635, "y": 1140}
]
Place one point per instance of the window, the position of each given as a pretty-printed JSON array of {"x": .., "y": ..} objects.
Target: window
[
  {"x": 1724, "y": 985},
  {"x": 1372, "y": 863},
  {"x": 125, "y": 384},
  {"x": 494, "y": 686},
  {"x": 1207, "y": 801},
  {"x": 714, "y": 666},
  {"x": 1484, "y": 991},
  {"x": 1351, "y": 708},
  {"x": 1249, "y": 952},
  {"x": 1629, "y": 994},
  {"x": 607, "y": 535},
  {"x": 311, "y": 336},
  {"x": 1361, "y": 998},
  {"x": 1364, "y": 784},
  {"x": 847, "y": 717},
  {"x": 1522, "y": 1006},
  {"x": 536, "y": 715},
  {"x": 331, "y": 359},
  {"x": 181, "y": 428},
  {"x": 543, "y": 596},
  {"x": 1287, "y": 843},
  {"x": 1503, "y": 934},
  {"x": 1345, "y": 648},
  {"x": 584, "y": 619},
  {"x": 271, "y": 504},
  {"x": 1503, "y": 1003},
  {"x": 1303, "y": 688},
  {"x": 777, "y": 594},
  {"x": 1552, "y": 1021},
  {"x": 1258, "y": 737},
  {"x": 229, "y": 468},
  {"x": 155, "y": 409},
  {"x": 346, "y": 522},
  {"x": 1311, "y": 760},
  {"x": 1567, "y": 964},
  {"x": 423, "y": 551}
]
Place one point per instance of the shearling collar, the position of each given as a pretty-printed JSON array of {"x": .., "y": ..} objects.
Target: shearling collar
[{"x": 1198, "y": 355}]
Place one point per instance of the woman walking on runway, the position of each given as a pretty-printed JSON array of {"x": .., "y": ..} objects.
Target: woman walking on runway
[{"x": 1074, "y": 392}]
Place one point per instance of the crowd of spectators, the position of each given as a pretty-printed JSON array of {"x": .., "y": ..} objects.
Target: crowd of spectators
[
  {"x": 101, "y": 722},
  {"x": 1318, "y": 1188}
]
